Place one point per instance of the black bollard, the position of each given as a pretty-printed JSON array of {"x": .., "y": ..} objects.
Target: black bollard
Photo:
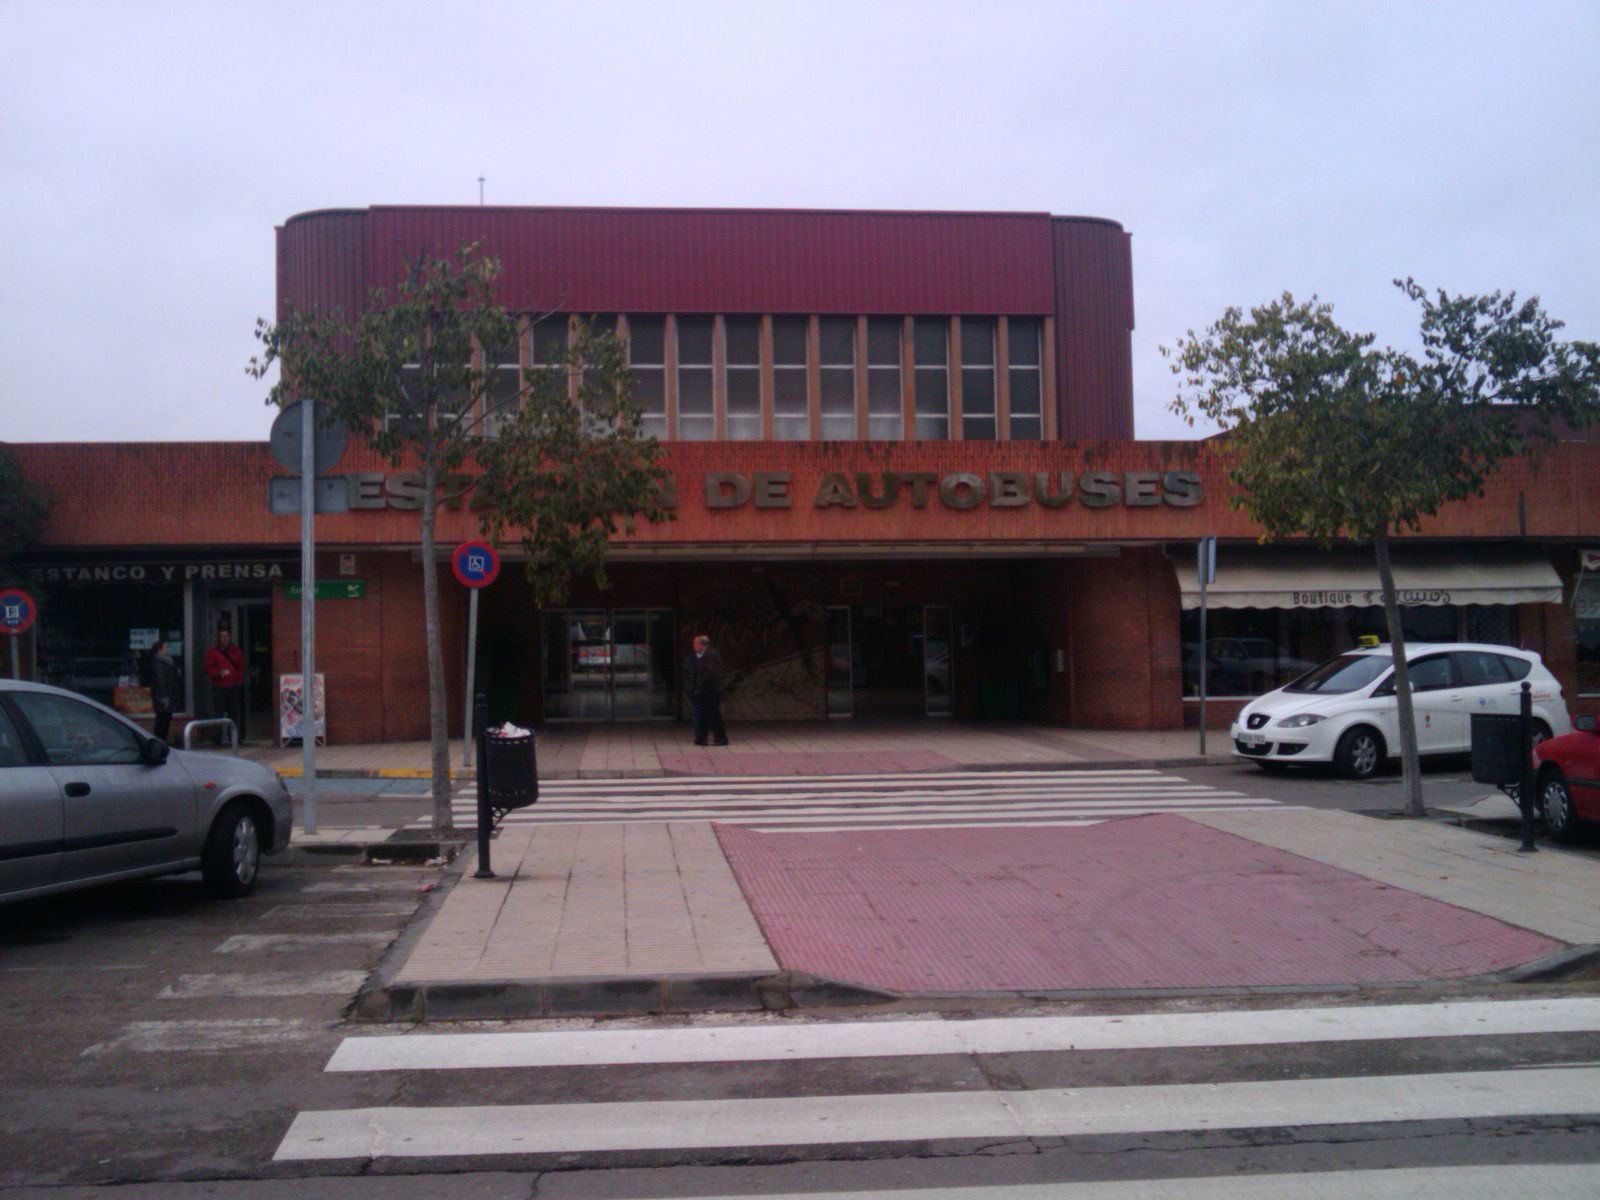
[
  {"x": 480, "y": 730},
  {"x": 1525, "y": 787}
]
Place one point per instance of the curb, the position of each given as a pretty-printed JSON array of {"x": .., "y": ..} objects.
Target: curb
[{"x": 409, "y": 851}]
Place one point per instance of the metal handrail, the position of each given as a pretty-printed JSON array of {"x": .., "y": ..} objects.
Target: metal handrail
[{"x": 212, "y": 723}]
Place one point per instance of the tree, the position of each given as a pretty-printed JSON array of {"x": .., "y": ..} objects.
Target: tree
[
  {"x": 24, "y": 508},
  {"x": 1331, "y": 436},
  {"x": 424, "y": 375}
]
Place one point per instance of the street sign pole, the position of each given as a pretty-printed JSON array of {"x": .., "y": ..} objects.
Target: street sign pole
[
  {"x": 16, "y": 664},
  {"x": 1207, "y": 568},
  {"x": 472, "y": 669},
  {"x": 308, "y": 614}
]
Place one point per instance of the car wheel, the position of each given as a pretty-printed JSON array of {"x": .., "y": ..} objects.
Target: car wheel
[
  {"x": 231, "y": 860},
  {"x": 1555, "y": 800},
  {"x": 1359, "y": 753}
]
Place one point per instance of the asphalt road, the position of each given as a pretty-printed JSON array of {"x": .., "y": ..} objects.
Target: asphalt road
[{"x": 162, "y": 1044}]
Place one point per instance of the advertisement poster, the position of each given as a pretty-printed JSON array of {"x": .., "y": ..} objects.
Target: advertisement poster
[{"x": 292, "y": 707}]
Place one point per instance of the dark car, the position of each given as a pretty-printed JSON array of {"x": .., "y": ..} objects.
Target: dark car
[{"x": 1567, "y": 774}]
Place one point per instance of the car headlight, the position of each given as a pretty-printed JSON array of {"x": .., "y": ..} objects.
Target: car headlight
[{"x": 1301, "y": 720}]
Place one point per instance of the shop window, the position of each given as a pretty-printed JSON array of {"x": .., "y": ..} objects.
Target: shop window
[
  {"x": 98, "y": 640},
  {"x": 742, "y": 346},
  {"x": 978, "y": 415},
  {"x": 1023, "y": 378},
  {"x": 791, "y": 414},
  {"x": 1586, "y": 633},
  {"x": 647, "y": 364},
  {"x": 696, "y": 412},
  {"x": 837, "y": 342},
  {"x": 885, "y": 413},
  {"x": 931, "y": 356}
]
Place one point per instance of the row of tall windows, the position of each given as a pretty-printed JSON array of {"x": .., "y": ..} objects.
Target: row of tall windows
[{"x": 791, "y": 378}]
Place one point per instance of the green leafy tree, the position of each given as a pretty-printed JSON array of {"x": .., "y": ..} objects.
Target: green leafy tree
[
  {"x": 24, "y": 508},
  {"x": 1331, "y": 436},
  {"x": 421, "y": 374}
]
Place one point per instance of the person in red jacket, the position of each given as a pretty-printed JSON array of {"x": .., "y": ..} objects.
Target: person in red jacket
[{"x": 224, "y": 666}]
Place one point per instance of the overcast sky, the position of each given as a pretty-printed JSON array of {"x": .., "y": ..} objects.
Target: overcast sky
[{"x": 148, "y": 149}]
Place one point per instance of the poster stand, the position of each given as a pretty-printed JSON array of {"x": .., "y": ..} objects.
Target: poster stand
[{"x": 292, "y": 708}]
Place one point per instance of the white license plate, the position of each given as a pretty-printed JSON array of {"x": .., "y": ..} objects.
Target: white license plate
[{"x": 1253, "y": 739}]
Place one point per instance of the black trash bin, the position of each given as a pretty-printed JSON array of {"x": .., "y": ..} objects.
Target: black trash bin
[
  {"x": 512, "y": 772},
  {"x": 1496, "y": 748}
]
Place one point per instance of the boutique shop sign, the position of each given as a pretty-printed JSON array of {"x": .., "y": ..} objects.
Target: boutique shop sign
[{"x": 959, "y": 490}]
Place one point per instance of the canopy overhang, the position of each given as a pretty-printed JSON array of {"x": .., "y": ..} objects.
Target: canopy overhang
[{"x": 1299, "y": 578}]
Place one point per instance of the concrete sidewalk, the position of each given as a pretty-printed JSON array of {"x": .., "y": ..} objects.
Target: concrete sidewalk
[
  {"x": 649, "y": 917},
  {"x": 647, "y": 749}
]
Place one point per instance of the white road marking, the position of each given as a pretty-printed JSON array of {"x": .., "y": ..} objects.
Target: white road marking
[
  {"x": 250, "y": 1033},
  {"x": 280, "y": 943},
  {"x": 314, "y": 983},
  {"x": 1002, "y": 1035},
  {"x": 367, "y": 1133},
  {"x": 1567, "y": 1181}
]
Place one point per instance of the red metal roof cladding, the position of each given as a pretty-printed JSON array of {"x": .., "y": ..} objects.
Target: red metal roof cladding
[{"x": 764, "y": 261}]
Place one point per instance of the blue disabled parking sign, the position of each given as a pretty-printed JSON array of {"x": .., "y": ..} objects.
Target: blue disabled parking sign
[
  {"x": 475, "y": 563},
  {"x": 17, "y": 611}
]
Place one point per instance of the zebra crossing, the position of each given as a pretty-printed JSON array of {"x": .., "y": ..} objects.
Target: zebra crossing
[
  {"x": 830, "y": 803},
  {"x": 689, "y": 1101}
]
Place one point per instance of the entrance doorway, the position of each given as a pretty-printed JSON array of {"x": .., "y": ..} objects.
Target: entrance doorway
[
  {"x": 250, "y": 624},
  {"x": 609, "y": 664},
  {"x": 901, "y": 662}
]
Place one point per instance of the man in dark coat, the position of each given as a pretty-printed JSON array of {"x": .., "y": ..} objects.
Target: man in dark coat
[
  {"x": 166, "y": 688},
  {"x": 702, "y": 677}
]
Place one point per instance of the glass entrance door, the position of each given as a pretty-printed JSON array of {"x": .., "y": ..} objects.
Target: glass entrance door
[
  {"x": 609, "y": 664},
  {"x": 937, "y": 661},
  {"x": 840, "y": 684}
]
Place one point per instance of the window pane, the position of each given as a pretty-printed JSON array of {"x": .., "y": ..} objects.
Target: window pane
[
  {"x": 789, "y": 339},
  {"x": 75, "y": 734},
  {"x": 694, "y": 340},
  {"x": 933, "y": 429},
  {"x": 977, "y": 429},
  {"x": 1022, "y": 341},
  {"x": 883, "y": 392},
  {"x": 838, "y": 338},
  {"x": 977, "y": 341},
  {"x": 549, "y": 339},
  {"x": 885, "y": 429},
  {"x": 647, "y": 340},
  {"x": 744, "y": 390},
  {"x": 789, "y": 390},
  {"x": 838, "y": 391},
  {"x": 883, "y": 341},
  {"x": 695, "y": 429},
  {"x": 933, "y": 392},
  {"x": 791, "y": 429},
  {"x": 839, "y": 428},
  {"x": 694, "y": 390},
  {"x": 601, "y": 322},
  {"x": 744, "y": 339},
  {"x": 931, "y": 339},
  {"x": 1026, "y": 429},
  {"x": 744, "y": 428},
  {"x": 977, "y": 391},
  {"x": 1024, "y": 394}
]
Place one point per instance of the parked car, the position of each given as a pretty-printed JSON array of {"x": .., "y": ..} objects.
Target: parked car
[
  {"x": 1344, "y": 711},
  {"x": 1567, "y": 779},
  {"x": 87, "y": 797}
]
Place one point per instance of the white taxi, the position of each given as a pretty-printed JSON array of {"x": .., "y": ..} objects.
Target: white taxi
[{"x": 1344, "y": 711}]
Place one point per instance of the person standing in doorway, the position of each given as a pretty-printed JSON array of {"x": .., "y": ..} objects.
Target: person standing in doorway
[
  {"x": 225, "y": 669},
  {"x": 702, "y": 674},
  {"x": 165, "y": 686}
]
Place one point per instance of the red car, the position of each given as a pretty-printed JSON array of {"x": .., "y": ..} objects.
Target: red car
[{"x": 1567, "y": 770}]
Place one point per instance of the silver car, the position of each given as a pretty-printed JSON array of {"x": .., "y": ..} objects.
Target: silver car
[{"x": 87, "y": 797}]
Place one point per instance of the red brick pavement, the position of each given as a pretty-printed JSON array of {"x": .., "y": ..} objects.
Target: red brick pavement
[{"x": 1142, "y": 902}]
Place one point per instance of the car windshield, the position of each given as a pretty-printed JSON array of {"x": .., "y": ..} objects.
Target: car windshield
[{"x": 1346, "y": 673}]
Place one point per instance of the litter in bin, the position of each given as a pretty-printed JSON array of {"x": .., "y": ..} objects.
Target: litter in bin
[{"x": 508, "y": 730}]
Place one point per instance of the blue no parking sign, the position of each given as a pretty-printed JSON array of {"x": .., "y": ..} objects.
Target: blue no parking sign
[
  {"x": 475, "y": 563},
  {"x": 17, "y": 611}
]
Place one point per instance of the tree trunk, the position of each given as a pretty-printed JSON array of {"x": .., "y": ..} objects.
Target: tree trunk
[
  {"x": 1410, "y": 768},
  {"x": 438, "y": 721}
]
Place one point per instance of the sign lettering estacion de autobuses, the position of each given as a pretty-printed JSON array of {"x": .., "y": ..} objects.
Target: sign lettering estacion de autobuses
[{"x": 958, "y": 490}]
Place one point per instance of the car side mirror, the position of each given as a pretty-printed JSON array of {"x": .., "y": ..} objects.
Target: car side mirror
[
  {"x": 156, "y": 751},
  {"x": 1586, "y": 723}
]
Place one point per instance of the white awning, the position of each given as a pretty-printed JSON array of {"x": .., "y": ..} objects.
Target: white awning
[{"x": 1298, "y": 578}]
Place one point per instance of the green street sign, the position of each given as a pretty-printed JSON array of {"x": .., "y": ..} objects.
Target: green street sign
[{"x": 331, "y": 589}]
